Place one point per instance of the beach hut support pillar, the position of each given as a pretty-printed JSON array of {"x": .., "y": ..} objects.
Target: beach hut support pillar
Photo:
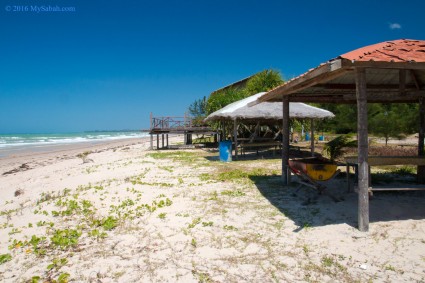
[
  {"x": 363, "y": 148},
  {"x": 162, "y": 140},
  {"x": 167, "y": 139},
  {"x": 151, "y": 148},
  {"x": 312, "y": 137},
  {"x": 157, "y": 141},
  {"x": 235, "y": 136},
  {"x": 285, "y": 141},
  {"x": 421, "y": 169}
]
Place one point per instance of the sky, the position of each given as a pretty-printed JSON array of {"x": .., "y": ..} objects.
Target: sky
[{"x": 107, "y": 64}]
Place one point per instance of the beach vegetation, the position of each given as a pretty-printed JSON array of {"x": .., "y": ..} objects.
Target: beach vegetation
[
  {"x": 166, "y": 168},
  {"x": 230, "y": 228},
  {"x": 213, "y": 196},
  {"x": 176, "y": 156},
  {"x": 232, "y": 193},
  {"x": 263, "y": 81},
  {"x": 109, "y": 223},
  {"x": 97, "y": 234},
  {"x": 5, "y": 258},
  {"x": 207, "y": 224},
  {"x": 66, "y": 238},
  {"x": 334, "y": 149},
  {"x": 8, "y": 212},
  {"x": 194, "y": 222},
  {"x": 14, "y": 231},
  {"x": 37, "y": 244},
  {"x": 57, "y": 264},
  {"x": 162, "y": 215},
  {"x": 193, "y": 242},
  {"x": 203, "y": 277},
  {"x": 84, "y": 156}
]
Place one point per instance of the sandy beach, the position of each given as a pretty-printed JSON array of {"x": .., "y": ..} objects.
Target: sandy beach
[{"x": 129, "y": 214}]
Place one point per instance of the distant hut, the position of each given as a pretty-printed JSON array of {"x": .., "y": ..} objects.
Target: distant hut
[{"x": 266, "y": 112}]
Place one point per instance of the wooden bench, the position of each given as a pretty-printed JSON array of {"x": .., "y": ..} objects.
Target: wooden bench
[
  {"x": 260, "y": 145},
  {"x": 351, "y": 161}
]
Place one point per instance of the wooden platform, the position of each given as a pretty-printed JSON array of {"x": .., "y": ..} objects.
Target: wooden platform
[{"x": 167, "y": 125}]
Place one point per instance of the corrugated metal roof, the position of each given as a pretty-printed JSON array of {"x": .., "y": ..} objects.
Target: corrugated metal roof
[{"x": 401, "y": 50}]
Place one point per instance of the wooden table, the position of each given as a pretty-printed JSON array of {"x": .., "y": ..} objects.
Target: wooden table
[{"x": 351, "y": 161}]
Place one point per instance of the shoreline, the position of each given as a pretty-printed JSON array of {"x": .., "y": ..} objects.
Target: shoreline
[{"x": 61, "y": 151}]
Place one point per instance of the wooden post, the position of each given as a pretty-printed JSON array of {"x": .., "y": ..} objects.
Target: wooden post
[
  {"x": 363, "y": 148},
  {"x": 285, "y": 141},
  {"x": 312, "y": 137},
  {"x": 157, "y": 142},
  {"x": 235, "y": 137},
  {"x": 167, "y": 140},
  {"x": 421, "y": 169},
  {"x": 150, "y": 127},
  {"x": 162, "y": 140}
]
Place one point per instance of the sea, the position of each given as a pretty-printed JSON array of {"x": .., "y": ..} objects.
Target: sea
[{"x": 15, "y": 143}]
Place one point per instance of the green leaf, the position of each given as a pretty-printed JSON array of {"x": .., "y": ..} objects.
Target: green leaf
[
  {"x": 63, "y": 278},
  {"x": 5, "y": 258}
]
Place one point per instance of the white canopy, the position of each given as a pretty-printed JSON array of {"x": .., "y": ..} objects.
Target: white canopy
[{"x": 266, "y": 110}]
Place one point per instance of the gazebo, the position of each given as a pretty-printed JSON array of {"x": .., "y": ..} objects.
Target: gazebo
[
  {"x": 387, "y": 72},
  {"x": 240, "y": 111}
]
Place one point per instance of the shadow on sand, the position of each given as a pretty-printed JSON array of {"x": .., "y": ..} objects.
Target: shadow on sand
[{"x": 309, "y": 209}]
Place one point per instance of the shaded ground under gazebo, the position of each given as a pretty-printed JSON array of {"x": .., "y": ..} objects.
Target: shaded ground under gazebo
[
  {"x": 387, "y": 72},
  {"x": 266, "y": 112}
]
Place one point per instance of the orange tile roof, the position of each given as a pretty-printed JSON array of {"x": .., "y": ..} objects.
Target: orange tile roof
[{"x": 401, "y": 50}]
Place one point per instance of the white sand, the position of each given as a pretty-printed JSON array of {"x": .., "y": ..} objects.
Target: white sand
[{"x": 203, "y": 229}]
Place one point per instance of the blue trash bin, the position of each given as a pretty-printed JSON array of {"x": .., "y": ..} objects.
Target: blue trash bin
[
  {"x": 307, "y": 137},
  {"x": 321, "y": 138},
  {"x": 225, "y": 148}
]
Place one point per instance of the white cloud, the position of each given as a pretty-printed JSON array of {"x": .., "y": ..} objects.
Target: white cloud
[{"x": 395, "y": 26}]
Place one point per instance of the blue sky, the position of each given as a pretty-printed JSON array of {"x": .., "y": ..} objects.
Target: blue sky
[{"x": 108, "y": 64}]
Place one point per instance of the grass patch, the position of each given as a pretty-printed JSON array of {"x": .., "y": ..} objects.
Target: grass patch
[
  {"x": 237, "y": 193},
  {"x": 182, "y": 156}
]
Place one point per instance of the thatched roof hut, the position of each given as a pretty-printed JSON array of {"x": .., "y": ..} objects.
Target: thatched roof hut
[{"x": 266, "y": 111}]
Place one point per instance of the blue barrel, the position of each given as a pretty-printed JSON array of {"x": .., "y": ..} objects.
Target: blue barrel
[
  {"x": 307, "y": 137},
  {"x": 321, "y": 138},
  {"x": 225, "y": 148}
]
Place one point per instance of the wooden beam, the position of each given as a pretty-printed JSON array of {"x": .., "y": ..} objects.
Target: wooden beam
[
  {"x": 285, "y": 141},
  {"x": 379, "y": 87},
  {"x": 363, "y": 174},
  {"x": 351, "y": 99},
  {"x": 382, "y": 65},
  {"x": 322, "y": 73},
  {"x": 421, "y": 169}
]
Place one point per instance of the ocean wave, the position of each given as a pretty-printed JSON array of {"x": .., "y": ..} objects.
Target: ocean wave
[{"x": 40, "y": 140}]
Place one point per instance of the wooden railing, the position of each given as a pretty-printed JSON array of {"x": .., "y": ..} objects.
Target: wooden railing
[{"x": 169, "y": 122}]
